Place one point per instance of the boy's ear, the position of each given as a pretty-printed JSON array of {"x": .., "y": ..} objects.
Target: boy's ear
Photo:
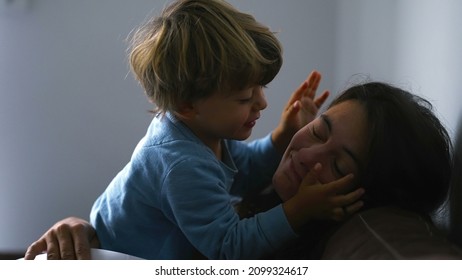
[{"x": 186, "y": 111}]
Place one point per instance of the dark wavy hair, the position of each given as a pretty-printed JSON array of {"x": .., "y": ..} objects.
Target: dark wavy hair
[{"x": 409, "y": 161}]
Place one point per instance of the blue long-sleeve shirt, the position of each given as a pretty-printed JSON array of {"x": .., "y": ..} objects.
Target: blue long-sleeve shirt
[{"x": 175, "y": 197}]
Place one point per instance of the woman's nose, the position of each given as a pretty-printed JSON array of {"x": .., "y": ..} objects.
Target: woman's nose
[{"x": 314, "y": 153}]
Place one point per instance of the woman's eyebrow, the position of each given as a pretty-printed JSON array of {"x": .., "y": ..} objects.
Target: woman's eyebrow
[{"x": 355, "y": 158}]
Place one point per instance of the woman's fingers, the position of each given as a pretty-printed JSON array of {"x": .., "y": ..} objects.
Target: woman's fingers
[
  {"x": 35, "y": 249},
  {"x": 67, "y": 239}
]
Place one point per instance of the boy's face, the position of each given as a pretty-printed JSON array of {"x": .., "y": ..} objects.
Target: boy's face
[
  {"x": 338, "y": 139},
  {"x": 229, "y": 115}
]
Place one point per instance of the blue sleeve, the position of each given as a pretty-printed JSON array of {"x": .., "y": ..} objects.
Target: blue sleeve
[
  {"x": 195, "y": 198},
  {"x": 256, "y": 161}
]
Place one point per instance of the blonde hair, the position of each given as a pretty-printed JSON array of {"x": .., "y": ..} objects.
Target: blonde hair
[{"x": 197, "y": 47}]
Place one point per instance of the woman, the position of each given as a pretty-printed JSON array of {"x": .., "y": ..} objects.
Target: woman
[
  {"x": 388, "y": 138},
  {"x": 403, "y": 161},
  {"x": 406, "y": 162}
]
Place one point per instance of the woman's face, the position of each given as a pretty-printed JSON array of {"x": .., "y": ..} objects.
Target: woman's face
[{"x": 338, "y": 140}]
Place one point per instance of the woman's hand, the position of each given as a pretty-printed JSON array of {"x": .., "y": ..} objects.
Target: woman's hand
[
  {"x": 69, "y": 239},
  {"x": 300, "y": 110}
]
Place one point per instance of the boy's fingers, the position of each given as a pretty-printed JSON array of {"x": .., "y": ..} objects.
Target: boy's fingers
[
  {"x": 352, "y": 197},
  {"x": 311, "y": 177},
  {"x": 340, "y": 213},
  {"x": 321, "y": 99},
  {"x": 293, "y": 109},
  {"x": 341, "y": 185},
  {"x": 353, "y": 208},
  {"x": 297, "y": 94},
  {"x": 313, "y": 82},
  {"x": 307, "y": 87}
]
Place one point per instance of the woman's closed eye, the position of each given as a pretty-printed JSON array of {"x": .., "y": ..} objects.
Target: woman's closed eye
[
  {"x": 313, "y": 132},
  {"x": 317, "y": 134},
  {"x": 320, "y": 134}
]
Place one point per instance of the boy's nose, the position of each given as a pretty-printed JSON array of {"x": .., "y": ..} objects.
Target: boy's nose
[{"x": 260, "y": 100}]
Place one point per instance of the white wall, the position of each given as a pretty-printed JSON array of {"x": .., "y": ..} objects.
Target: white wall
[
  {"x": 365, "y": 41},
  {"x": 416, "y": 44},
  {"x": 429, "y": 52},
  {"x": 71, "y": 114}
]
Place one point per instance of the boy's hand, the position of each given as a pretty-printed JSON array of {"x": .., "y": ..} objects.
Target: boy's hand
[
  {"x": 300, "y": 110},
  {"x": 315, "y": 201}
]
